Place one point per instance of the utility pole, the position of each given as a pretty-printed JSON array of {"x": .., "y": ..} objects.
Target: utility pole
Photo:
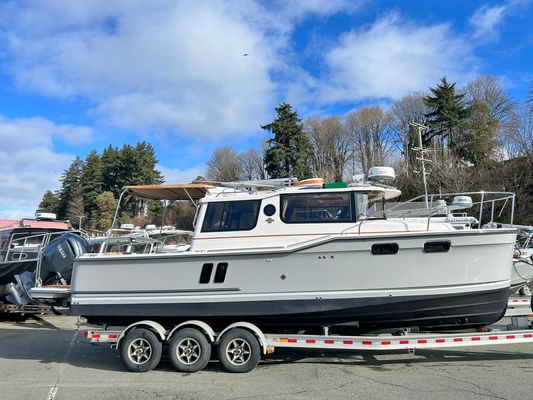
[
  {"x": 80, "y": 217},
  {"x": 420, "y": 155}
]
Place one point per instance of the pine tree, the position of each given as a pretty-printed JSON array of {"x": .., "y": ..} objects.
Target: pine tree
[
  {"x": 109, "y": 164},
  {"x": 448, "y": 111},
  {"x": 137, "y": 166},
  {"x": 49, "y": 203},
  {"x": 91, "y": 181},
  {"x": 70, "y": 182},
  {"x": 289, "y": 151}
]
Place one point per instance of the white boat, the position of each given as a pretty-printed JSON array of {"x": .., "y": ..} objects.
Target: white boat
[
  {"x": 522, "y": 273},
  {"x": 305, "y": 256}
]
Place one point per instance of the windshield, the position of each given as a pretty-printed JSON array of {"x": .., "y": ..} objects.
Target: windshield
[{"x": 368, "y": 206}]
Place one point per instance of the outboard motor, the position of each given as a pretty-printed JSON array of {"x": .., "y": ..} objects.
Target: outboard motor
[
  {"x": 59, "y": 255},
  {"x": 56, "y": 266}
]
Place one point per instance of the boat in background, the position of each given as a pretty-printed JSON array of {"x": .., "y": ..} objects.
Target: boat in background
[
  {"x": 20, "y": 244},
  {"x": 522, "y": 273}
]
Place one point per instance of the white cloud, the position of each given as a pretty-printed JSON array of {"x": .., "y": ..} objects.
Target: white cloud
[
  {"x": 28, "y": 163},
  {"x": 178, "y": 65},
  {"x": 164, "y": 65},
  {"x": 485, "y": 21},
  {"x": 391, "y": 58}
]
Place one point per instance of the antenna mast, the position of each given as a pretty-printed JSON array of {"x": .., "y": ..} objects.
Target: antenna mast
[{"x": 420, "y": 155}]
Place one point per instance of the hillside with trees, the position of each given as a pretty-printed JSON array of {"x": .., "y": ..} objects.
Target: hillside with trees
[
  {"x": 90, "y": 188},
  {"x": 478, "y": 138}
]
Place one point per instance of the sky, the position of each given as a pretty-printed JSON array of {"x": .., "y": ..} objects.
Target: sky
[{"x": 82, "y": 74}]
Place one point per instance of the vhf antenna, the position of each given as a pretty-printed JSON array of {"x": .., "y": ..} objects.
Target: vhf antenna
[{"x": 420, "y": 155}]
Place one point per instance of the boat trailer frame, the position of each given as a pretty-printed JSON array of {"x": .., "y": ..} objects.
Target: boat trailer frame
[{"x": 519, "y": 331}]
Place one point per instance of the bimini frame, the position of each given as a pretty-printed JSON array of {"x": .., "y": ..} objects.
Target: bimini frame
[{"x": 189, "y": 191}]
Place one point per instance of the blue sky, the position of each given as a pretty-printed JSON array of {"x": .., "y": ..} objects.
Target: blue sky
[{"x": 77, "y": 75}]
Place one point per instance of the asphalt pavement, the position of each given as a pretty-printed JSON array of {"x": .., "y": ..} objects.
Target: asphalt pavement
[{"x": 45, "y": 358}]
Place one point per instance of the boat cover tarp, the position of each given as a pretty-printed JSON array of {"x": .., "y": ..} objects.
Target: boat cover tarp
[{"x": 194, "y": 191}]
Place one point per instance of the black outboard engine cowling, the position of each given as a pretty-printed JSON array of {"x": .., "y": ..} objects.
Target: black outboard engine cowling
[
  {"x": 56, "y": 267},
  {"x": 59, "y": 254}
]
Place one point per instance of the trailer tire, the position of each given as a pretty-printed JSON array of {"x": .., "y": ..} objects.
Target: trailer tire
[
  {"x": 189, "y": 350},
  {"x": 239, "y": 350},
  {"x": 140, "y": 350}
]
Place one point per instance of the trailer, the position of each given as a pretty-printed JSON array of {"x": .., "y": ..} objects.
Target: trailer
[
  {"x": 8, "y": 308},
  {"x": 241, "y": 345}
]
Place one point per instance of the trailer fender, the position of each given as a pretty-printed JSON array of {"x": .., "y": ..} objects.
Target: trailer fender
[
  {"x": 251, "y": 327},
  {"x": 199, "y": 324},
  {"x": 152, "y": 325}
]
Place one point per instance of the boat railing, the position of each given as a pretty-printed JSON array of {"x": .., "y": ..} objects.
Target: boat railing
[
  {"x": 23, "y": 247},
  {"x": 496, "y": 202},
  {"x": 176, "y": 239}
]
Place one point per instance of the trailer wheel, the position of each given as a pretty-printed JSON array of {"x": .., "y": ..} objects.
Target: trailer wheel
[
  {"x": 525, "y": 291},
  {"x": 140, "y": 350},
  {"x": 189, "y": 350},
  {"x": 239, "y": 350}
]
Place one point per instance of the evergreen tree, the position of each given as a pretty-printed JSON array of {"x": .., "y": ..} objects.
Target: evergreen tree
[
  {"x": 102, "y": 215},
  {"x": 137, "y": 166},
  {"x": 289, "y": 151},
  {"x": 447, "y": 112},
  {"x": 70, "y": 182},
  {"x": 91, "y": 181},
  {"x": 49, "y": 203},
  {"x": 476, "y": 144},
  {"x": 109, "y": 164},
  {"x": 147, "y": 163}
]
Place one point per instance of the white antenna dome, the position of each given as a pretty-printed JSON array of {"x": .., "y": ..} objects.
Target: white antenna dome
[{"x": 381, "y": 174}]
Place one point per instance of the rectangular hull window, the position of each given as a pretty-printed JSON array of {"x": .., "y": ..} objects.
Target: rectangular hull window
[
  {"x": 220, "y": 274},
  {"x": 437, "y": 247},
  {"x": 381, "y": 249}
]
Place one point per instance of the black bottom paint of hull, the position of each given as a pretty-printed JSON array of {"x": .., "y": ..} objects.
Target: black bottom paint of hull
[{"x": 451, "y": 311}]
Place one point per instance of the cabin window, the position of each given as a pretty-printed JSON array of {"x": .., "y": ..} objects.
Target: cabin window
[
  {"x": 226, "y": 216},
  {"x": 380, "y": 249},
  {"x": 437, "y": 247},
  {"x": 317, "y": 207}
]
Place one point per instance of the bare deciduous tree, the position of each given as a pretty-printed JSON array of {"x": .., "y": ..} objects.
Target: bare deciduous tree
[
  {"x": 410, "y": 108},
  {"x": 369, "y": 128},
  {"x": 252, "y": 164},
  {"x": 331, "y": 147},
  {"x": 488, "y": 90},
  {"x": 520, "y": 137},
  {"x": 224, "y": 165}
]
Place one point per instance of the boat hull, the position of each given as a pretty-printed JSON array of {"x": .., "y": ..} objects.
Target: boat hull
[
  {"x": 332, "y": 281},
  {"x": 9, "y": 269},
  {"x": 425, "y": 312}
]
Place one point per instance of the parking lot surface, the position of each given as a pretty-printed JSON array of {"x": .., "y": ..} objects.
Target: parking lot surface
[{"x": 45, "y": 358}]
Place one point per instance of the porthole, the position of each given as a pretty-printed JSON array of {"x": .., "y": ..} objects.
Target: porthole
[{"x": 269, "y": 210}]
